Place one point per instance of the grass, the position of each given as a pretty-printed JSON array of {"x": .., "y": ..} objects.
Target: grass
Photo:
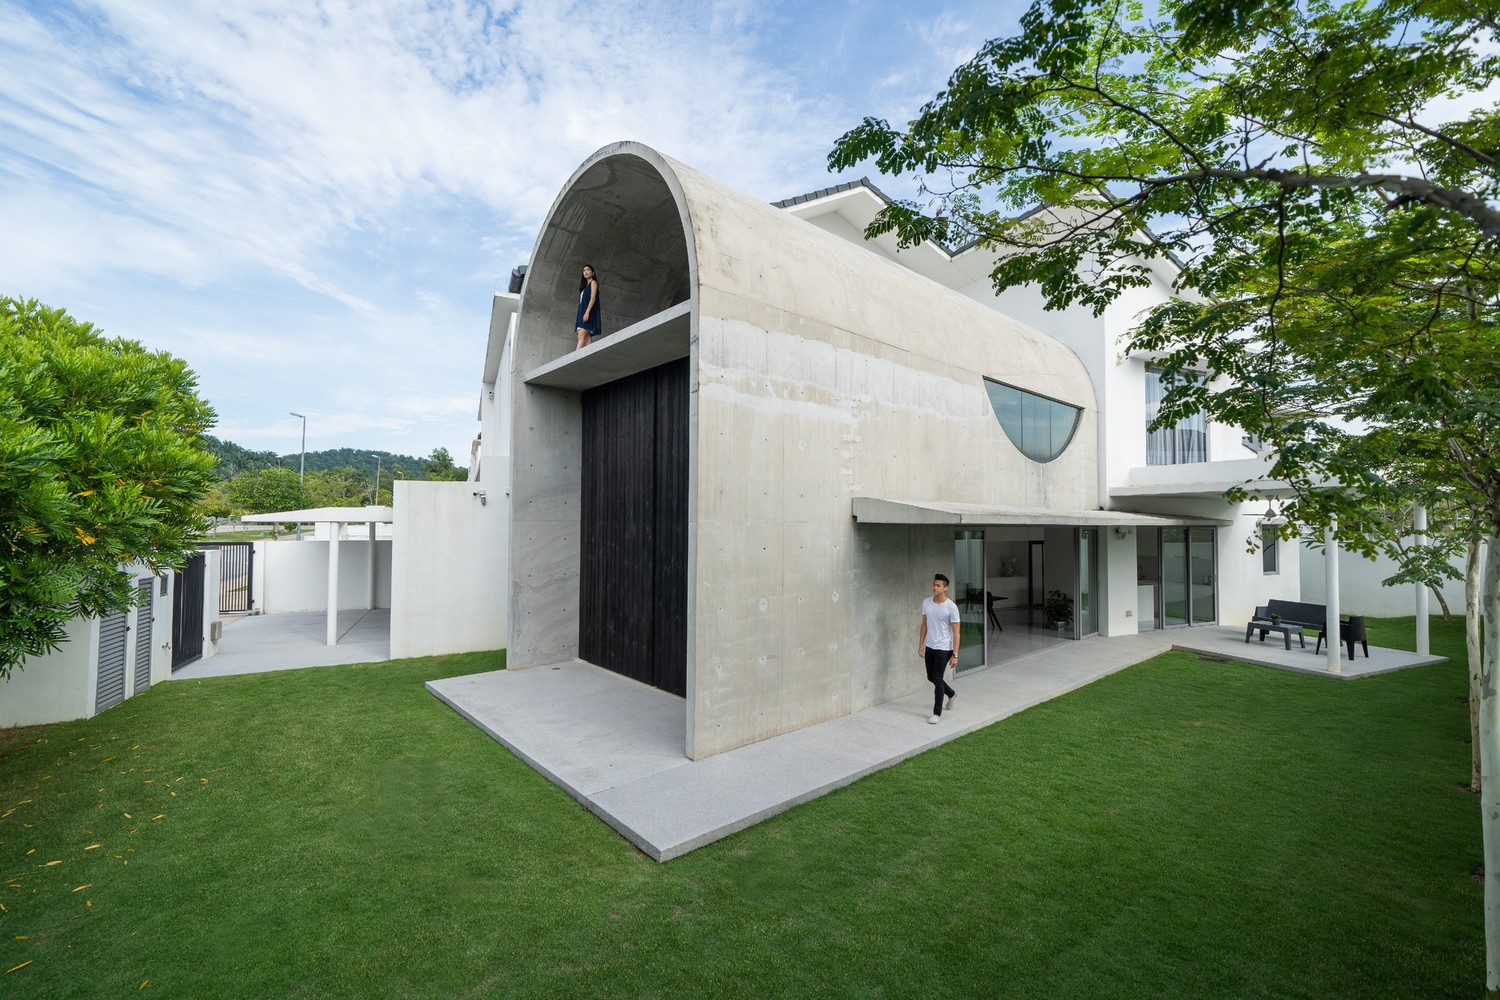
[{"x": 1183, "y": 828}]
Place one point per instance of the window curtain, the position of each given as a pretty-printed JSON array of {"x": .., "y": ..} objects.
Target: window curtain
[{"x": 1186, "y": 441}]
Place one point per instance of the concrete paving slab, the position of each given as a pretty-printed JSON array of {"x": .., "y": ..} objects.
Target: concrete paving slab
[
  {"x": 291, "y": 641},
  {"x": 617, "y": 746},
  {"x": 1229, "y": 643}
]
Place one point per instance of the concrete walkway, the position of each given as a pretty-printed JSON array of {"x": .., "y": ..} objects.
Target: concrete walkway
[
  {"x": 617, "y": 746},
  {"x": 258, "y": 643}
]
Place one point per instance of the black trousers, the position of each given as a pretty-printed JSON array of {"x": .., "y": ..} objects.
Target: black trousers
[{"x": 937, "y": 662}]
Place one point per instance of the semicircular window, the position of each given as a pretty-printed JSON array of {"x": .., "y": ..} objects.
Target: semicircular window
[{"x": 1040, "y": 427}]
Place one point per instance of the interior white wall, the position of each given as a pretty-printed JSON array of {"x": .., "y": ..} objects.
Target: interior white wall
[
  {"x": 449, "y": 567},
  {"x": 1117, "y": 582},
  {"x": 293, "y": 576}
]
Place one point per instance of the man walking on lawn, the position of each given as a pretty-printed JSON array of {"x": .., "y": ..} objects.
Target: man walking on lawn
[{"x": 938, "y": 643}]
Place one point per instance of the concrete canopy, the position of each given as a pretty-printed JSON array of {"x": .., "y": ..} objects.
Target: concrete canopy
[
  {"x": 330, "y": 515},
  {"x": 873, "y": 510}
]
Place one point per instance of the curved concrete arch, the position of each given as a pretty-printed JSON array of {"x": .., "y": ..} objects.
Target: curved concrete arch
[{"x": 624, "y": 212}]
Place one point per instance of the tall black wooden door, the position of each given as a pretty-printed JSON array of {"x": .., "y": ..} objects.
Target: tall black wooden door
[{"x": 633, "y": 565}]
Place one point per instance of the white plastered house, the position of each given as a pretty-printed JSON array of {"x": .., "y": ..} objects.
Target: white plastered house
[{"x": 741, "y": 492}]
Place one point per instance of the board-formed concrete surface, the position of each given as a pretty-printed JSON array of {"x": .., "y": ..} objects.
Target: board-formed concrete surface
[{"x": 618, "y": 747}]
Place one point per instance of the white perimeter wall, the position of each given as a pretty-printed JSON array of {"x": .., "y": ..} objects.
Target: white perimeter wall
[
  {"x": 449, "y": 591},
  {"x": 293, "y": 576},
  {"x": 61, "y": 686},
  {"x": 1360, "y": 590}
]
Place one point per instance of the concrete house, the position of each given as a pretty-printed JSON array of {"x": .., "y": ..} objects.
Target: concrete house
[{"x": 740, "y": 493}]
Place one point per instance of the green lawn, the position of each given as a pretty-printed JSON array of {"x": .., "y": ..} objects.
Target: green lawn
[{"x": 1184, "y": 828}]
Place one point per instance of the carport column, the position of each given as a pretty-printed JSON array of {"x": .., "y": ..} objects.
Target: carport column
[
  {"x": 1419, "y": 527},
  {"x": 333, "y": 582},
  {"x": 371, "y": 567},
  {"x": 1331, "y": 600}
]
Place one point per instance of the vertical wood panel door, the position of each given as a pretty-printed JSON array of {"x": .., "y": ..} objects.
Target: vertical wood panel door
[{"x": 633, "y": 556}]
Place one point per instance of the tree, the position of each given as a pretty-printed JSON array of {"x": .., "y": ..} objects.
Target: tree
[
  {"x": 266, "y": 491},
  {"x": 101, "y": 465},
  {"x": 1319, "y": 180},
  {"x": 439, "y": 465}
]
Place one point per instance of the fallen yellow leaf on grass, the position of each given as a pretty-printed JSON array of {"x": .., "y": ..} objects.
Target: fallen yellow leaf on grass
[
  {"x": 83, "y": 887},
  {"x": 91, "y": 847},
  {"x": 160, "y": 816},
  {"x": 23, "y": 965},
  {"x": 128, "y": 816},
  {"x": 143, "y": 984},
  {"x": 7, "y": 812},
  {"x": 88, "y": 902},
  {"x": 20, "y": 937},
  {"x": 32, "y": 851},
  {"x": 106, "y": 760},
  {"x": 51, "y": 863}
]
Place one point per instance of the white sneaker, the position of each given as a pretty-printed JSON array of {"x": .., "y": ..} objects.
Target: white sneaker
[
  {"x": 934, "y": 720},
  {"x": 950, "y": 700}
]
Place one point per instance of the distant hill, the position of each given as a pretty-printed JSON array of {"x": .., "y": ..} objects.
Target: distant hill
[{"x": 234, "y": 460}]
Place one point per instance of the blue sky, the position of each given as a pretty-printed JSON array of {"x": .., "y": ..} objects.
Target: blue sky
[{"x": 313, "y": 202}]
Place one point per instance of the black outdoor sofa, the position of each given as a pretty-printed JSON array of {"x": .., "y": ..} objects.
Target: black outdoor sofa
[{"x": 1314, "y": 618}]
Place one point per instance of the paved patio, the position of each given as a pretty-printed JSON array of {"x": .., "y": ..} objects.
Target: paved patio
[
  {"x": 258, "y": 643},
  {"x": 1229, "y": 643}
]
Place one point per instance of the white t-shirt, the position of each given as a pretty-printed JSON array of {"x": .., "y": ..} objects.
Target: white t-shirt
[{"x": 940, "y": 621}]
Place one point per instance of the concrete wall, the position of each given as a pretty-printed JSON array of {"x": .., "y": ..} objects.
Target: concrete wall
[
  {"x": 824, "y": 372},
  {"x": 293, "y": 576},
  {"x": 1360, "y": 589},
  {"x": 448, "y": 567}
]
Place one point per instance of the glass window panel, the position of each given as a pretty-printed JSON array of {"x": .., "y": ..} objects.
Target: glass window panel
[{"x": 1040, "y": 428}]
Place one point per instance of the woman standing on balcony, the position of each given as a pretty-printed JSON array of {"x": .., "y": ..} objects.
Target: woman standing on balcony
[{"x": 588, "y": 307}]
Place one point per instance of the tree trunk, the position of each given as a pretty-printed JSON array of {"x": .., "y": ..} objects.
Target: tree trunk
[
  {"x": 1442, "y": 601},
  {"x": 1471, "y": 644},
  {"x": 1489, "y": 742}
]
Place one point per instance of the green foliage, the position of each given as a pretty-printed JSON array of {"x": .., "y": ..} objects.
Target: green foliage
[
  {"x": 266, "y": 491},
  {"x": 101, "y": 464},
  {"x": 439, "y": 465},
  {"x": 1329, "y": 223},
  {"x": 235, "y": 461}
]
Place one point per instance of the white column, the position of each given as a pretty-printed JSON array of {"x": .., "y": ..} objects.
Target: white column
[
  {"x": 1419, "y": 526},
  {"x": 370, "y": 566},
  {"x": 1331, "y": 600},
  {"x": 333, "y": 583}
]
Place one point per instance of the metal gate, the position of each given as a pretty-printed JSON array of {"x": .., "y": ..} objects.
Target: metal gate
[
  {"x": 110, "y": 688},
  {"x": 143, "y": 632},
  {"x": 187, "y": 613},
  {"x": 236, "y": 572}
]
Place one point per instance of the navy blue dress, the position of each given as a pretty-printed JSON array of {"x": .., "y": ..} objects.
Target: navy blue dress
[{"x": 592, "y": 323}]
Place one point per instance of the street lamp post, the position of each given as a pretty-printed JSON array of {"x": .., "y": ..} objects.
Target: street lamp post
[
  {"x": 375, "y": 495},
  {"x": 301, "y": 468}
]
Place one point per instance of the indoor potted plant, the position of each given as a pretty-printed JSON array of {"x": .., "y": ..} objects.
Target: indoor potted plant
[{"x": 1058, "y": 609}]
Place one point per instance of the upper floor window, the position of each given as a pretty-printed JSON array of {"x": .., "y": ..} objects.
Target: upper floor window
[
  {"x": 1186, "y": 441},
  {"x": 1040, "y": 427}
]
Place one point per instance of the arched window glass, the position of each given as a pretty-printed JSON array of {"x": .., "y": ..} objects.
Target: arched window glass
[{"x": 1040, "y": 427}]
